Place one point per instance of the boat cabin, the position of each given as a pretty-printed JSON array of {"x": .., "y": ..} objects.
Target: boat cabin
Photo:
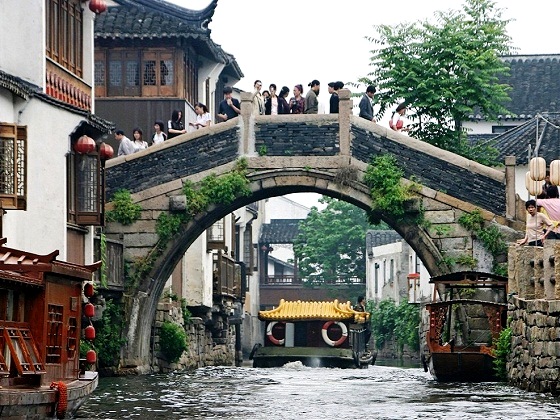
[
  {"x": 316, "y": 333},
  {"x": 40, "y": 317},
  {"x": 467, "y": 314}
]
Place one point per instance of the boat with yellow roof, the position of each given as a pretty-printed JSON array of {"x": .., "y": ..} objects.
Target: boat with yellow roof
[{"x": 319, "y": 334}]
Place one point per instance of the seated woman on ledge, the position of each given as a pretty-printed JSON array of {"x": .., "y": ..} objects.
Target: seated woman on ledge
[{"x": 535, "y": 225}]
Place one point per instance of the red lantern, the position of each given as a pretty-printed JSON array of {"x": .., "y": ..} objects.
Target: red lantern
[
  {"x": 97, "y": 6},
  {"x": 89, "y": 310},
  {"x": 85, "y": 145},
  {"x": 88, "y": 290},
  {"x": 90, "y": 332},
  {"x": 91, "y": 357},
  {"x": 105, "y": 151}
]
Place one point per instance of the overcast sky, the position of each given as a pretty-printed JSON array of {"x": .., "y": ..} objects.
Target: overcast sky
[{"x": 295, "y": 41}]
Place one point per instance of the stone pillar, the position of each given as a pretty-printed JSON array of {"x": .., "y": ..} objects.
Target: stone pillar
[
  {"x": 344, "y": 112},
  {"x": 513, "y": 270},
  {"x": 538, "y": 273},
  {"x": 525, "y": 272},
  {"x": 510, "y": 187},
  {"x": 555, "y": 286},
  {"x": 544, "y": 289},
  {"x": 247, "y": 121}
]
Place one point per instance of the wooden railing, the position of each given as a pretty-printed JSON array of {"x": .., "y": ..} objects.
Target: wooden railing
[
  {"x": 114, "y": 264},
  {"x": 227, "y": 277},
  {"x": 291, "y": 280}
]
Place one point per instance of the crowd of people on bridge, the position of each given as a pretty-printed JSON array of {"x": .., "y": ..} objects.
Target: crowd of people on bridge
[{"x": 267, "y": 102}]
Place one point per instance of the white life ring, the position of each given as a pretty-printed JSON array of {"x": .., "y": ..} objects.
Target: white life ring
[
  {"x": 325, "y": 333},
  {"x": 271, "y": 337}
]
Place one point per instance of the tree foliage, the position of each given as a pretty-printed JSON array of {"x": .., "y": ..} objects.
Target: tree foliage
[
  {"x": 445, "y": 70},
  {"x": 400, "y": 322},
  {"x": 331, "y": 242}
]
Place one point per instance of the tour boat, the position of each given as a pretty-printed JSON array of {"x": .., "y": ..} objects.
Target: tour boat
[
  {"x": 318, "y": 334},
  {"x": 41, "y": 374},
  {"x": 467, "y": 314}
]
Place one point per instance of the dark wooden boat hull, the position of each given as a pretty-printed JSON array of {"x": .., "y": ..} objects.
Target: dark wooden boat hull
[{"x": 462, "y": 367}]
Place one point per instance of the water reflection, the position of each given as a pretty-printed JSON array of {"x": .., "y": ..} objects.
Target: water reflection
[{"x": 296, "y": 392}]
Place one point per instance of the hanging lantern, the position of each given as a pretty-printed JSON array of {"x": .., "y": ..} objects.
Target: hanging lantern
[
  {"x": 89, "y": 332},
  {"x": 85, "y": 145},
  {"x": 97, "y": 6},
  {"x": 88, "y": 290},
  {"x": 537, "y": 168},
  {"x": 534, "y": 187},
  {"x": 89, "y": 310},
  {"x": 91, "y": 357},
  {"x": 105, "y": 151},
  {"x": 555, "y": 172}
]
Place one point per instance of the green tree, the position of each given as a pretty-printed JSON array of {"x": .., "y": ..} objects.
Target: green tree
[
  {"x": 331, "y": 242},
  {"x": 445, "y": 70},
  {"x": 400, "y": 322}
]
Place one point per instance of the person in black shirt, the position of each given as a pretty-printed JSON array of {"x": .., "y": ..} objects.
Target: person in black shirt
[{"x": 229, "y": 108}]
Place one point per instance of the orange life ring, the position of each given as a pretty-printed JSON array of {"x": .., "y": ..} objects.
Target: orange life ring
[
  {"x": 271, "y": 337},
  {"x": 325, "y": 333},
  {"x": 61, "y": 398}
]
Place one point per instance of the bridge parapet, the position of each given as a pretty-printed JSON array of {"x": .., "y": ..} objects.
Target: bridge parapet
[{"x": 533, "y": 272}]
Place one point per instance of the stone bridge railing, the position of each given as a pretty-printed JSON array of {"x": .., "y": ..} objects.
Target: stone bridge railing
[{"x": 313, "y": 141}]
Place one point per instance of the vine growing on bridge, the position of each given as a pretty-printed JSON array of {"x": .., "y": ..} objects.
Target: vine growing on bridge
[
  {"x": 125, "y": 211},
  {"x": 490, "y": 236},
  {"x": 213, "y": 189},
  {"x": 388, "y": 193}
]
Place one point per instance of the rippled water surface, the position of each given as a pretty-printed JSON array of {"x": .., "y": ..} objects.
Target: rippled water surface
[{"x": 298, "y": 392}]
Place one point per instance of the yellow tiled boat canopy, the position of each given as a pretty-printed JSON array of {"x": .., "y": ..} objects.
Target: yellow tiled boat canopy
[{"x": 309, "y": 311}]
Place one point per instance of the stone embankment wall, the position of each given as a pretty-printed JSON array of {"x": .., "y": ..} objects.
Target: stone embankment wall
[
  {"x": 202, "y": 349},
  {"x": 534, "y": 310}
]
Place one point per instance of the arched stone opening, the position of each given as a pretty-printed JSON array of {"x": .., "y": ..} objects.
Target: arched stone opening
[{"x": 264, "y": 184}]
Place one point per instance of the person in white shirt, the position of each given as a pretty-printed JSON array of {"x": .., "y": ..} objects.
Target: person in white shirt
[
  {"x": 126, "y": 147},
  {"x": 396, "y": 123},
  {"x": 203, "y": 118},
  {"x": 159, "y": 135},
  {"x": 139, "y": 143}
]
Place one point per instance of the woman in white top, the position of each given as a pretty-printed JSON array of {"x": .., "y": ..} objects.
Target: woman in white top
[
  {"x": 138, "y": 143},
  {"x": 159, "y": 135},
  {"x": 203, "y": 118},
  {"x": 396, "y": 122}
]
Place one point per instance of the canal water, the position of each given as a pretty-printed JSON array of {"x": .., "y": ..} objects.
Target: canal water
[{"x": 298, "y": 392}]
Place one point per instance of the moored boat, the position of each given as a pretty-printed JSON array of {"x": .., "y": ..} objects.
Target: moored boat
[
  {"x": 467, "y": 314},
  {"x": 41, "y": 374},
  {"x": 319, "y": 334}
]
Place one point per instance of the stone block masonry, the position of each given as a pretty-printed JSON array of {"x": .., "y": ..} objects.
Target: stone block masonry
[{"x": 534, "y": 313}]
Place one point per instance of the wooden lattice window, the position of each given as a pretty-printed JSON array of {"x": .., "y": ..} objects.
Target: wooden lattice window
[
  {"x": 215, "y": 236},
  {"x": 65, "y": 34},
  {"x": 13, "y": 166},
  {"x": 54, "y": 334},
  {"x": 72, "y": 337},
  {"x": 84, "y": 188},
  {"x": 23, "y": 350}
]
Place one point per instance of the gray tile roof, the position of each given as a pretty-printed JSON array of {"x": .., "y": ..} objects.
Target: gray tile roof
[
  {"x": 27, "y": 90},
  {"x": 535, "y": 83},
  {"x": 279, "y": 231},
  {"x": 156, "y": 20},
  {"x": 516, "y": 142},
  {"x": 381, "y": 237}
]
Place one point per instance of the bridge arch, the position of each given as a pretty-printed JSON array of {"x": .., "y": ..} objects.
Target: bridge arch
[{"x": 349, "y": 144}]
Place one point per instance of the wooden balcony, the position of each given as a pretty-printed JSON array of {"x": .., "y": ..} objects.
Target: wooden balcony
[
  {"x": 114, "y": 265},
  {"x": 62, "y": 85},
  {"x": 227, "y": 276}
]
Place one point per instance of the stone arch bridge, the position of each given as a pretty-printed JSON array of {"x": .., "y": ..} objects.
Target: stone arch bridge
[{"x": 299, "y": 153}]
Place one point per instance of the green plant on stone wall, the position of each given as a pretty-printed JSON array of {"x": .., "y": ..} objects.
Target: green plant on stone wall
[
  {"x": 172, "y": 341},
  {"x": 168, "y": 225},
  {"x": 187, "y": 315},
  {"x": 502, "y": 352},
  {"x": 109, "y": 340},
  {"x": 263, "y": 150},
  {"x": 125, "y": 211},
  {"x": 491, "y": 237},
  {"x": 467, "y": 260},
  {"x": 103, "y": 268}
]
